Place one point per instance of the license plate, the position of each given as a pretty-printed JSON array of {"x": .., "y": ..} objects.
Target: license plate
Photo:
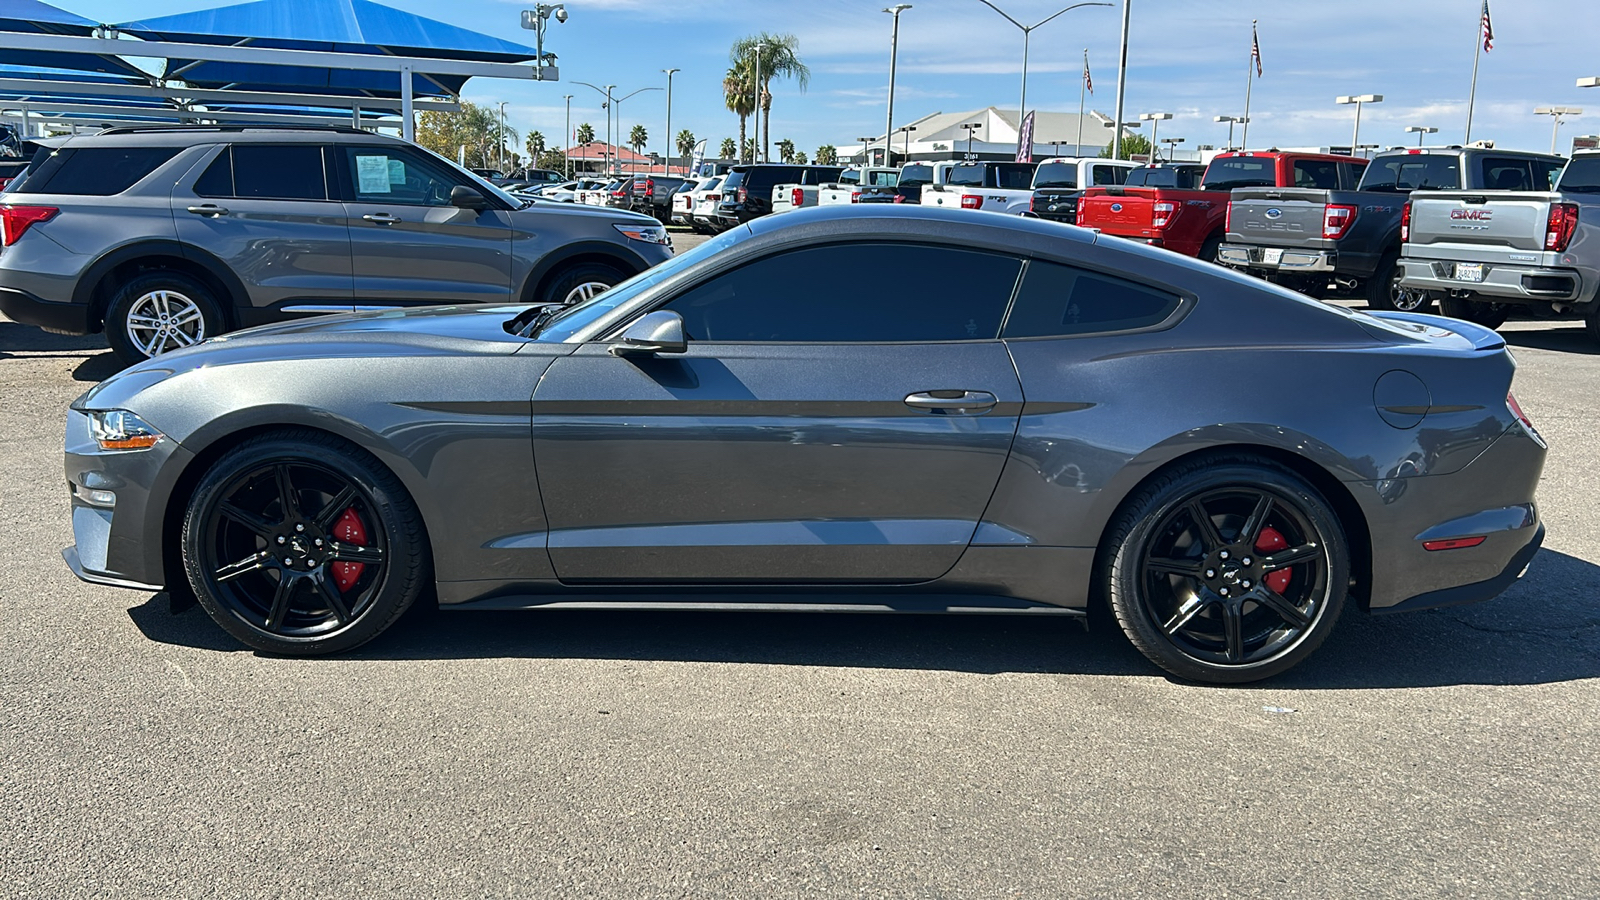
[
  {"x": 1472, "y": 272},
  {"x": 1272, "y": 257}
]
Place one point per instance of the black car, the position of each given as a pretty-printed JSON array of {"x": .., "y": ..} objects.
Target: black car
[
  {"x": 747, "y": 192},
  {"x": 652, "y": 195}
]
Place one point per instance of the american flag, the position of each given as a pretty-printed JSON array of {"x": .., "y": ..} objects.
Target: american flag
[
  {"x": 1255, "y": 42},
  {"x": 1088, "y": 82},
  {"x": 1488, "y": 29}
]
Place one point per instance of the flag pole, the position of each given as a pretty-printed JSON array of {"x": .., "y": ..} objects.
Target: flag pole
[
  {"x": 1082, "y": 82},
  {"x": 1472, "y": 95},
  {"x": 1249, "y": 83}
]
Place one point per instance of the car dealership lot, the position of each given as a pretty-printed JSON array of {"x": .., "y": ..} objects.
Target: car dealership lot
[{"x": 1447, "y": 753}]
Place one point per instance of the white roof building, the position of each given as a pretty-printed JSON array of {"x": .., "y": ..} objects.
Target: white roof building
[{"x": 942, "y": 135}]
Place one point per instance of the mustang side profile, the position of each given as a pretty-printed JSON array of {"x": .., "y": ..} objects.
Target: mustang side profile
[{"x": 985, "y": 414}]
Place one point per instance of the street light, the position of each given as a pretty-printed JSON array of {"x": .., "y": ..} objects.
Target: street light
[
  {"x": 566, "y": 141},
  {"x": 618, "y": 104},
  {"x": 894, "y": 52},
  {"x": 666, "y": 159},
  {"x": 1355, "y": 136},
  {"x": 1556, "y": 113},
  {"x": 501, "y": 136},
  {"x": 1027, "y": 32},
  {"x": 907, "y": 132},
  {"x": 1155, "y": 119},
  {"x": 1173, "y": 143},
  {"x": 866, "y": 150},
  {"x": 1419, "y": 131},
  {"x": 606, "y": 93},
  {"x": 1232, "y": 121},
  {"x": 970, "y": 127}
]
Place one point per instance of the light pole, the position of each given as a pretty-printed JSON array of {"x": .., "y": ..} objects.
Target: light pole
[
  {"x": 618, "y": 105},
  {"x": 866, "y": 150},
  {"x": 971, "y": 127},
  {"x": 501, "y": 137},
  {"x": 1117, "y": 140},
  {"x": 567, "y": 140},
  {"x": 1027, "y": 32},
  {"x": 1355, "y": 136},
  {"x": 907, "y": 132},
  {"x": 1173, "y": 144},
  {"x": 537, "y": 20},
  {"x": 1556, "y": 113},
  {"x": 606, "y": 93},
  {"x": 1155, "y": 119},
  {"x": 894, "y": 51},
  {"x": 1419, "y": 131},
  {"x": 755, "y": 142},
  {"x": 1232, "y": 121},
  {"x": 666, "y": 159},
  {"x": 1122, "y": 79}
]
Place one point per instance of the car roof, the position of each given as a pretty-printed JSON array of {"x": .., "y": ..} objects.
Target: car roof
[{"x": 189, "y": 135}]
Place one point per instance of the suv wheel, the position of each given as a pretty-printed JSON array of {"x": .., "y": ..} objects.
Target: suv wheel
[
  {"x": 581, "y": 282},
  {"x": 160, "y": 311}
]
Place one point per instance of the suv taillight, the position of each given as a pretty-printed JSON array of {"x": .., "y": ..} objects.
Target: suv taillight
[
  {"x": 1405, "y": 223},
  {"x": 1336, "y": 220},
  {"x": 1161, "y": 213},
  {"x": 855, "y": 196},
  {"x": 744, "y": 195},
  {"x": 14, "y": 220},
  {"x": 1558, "y": 228},
  {"x": 971, "y": 201},
  {"x": 797, "y": 198}
]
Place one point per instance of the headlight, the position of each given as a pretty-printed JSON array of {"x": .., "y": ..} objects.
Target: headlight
[
  {"x": 118, "y": 429},
  {"x": 650, "y": 234}
]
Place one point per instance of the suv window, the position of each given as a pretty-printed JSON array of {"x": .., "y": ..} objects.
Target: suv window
[
  {"x": 1545, "y": 173},
  {"x": 1582, "y": 175},
  {"x": 94, "y": 171},
  {"x": 1402, "y": 174},
  {"x": 1014, "y": 176},
  {"x": 266, "y": 172},
  {"x": 1500, "y": 173},
  {"x": 396, "y": 178},
  {"x": 1059, "y": 175},
  {"x": 1058, "y": 301},
  {"x": 824, "y": 175},
  {"x": 898, "y": 292},
  {"x": 1315, "y": 173}
]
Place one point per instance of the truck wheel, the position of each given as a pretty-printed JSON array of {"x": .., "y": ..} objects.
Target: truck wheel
[
  {"x": 1208, "y": 250},
  {"x": 1591, "y": 324},
  {"x": 158, "y": 311},
  {"x": 1489, "y": 315},
  {"x": 1384, "y": 291}
]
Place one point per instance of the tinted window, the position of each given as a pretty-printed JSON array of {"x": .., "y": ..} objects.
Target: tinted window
[
  {"x": 734, "y": 181},
  {"x": 1318, "y": 174},
  {"x": 1108, "y": 174},
  {"x": 765, "y": 178},
  {"x": 1183, "y": 178},
  {"x": 1501, "y": 174},
  {"x": 1545, "y": 173},
  {"x": 270, "y": 172},
  {"x": 95, "y": 171},
  {"x": 1058, "y": 300},
  {"x": 1412, "y": 172},
  {"x": 896, "y": 292},
  {"x": 1013, "y": 176},
  {"x": 1057, "y": 175},
  {"x": 912, "y": 175},
  {"x": 969, "y": 175},
  {"x": 823, "y": 176},
  {"x": 1582, "y": 175},
  {"x": 1240, "y": 171},
  {"x": 382, "y": 175}
]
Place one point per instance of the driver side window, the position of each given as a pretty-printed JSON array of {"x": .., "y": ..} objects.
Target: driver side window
[{"x": 383, "y": 175}]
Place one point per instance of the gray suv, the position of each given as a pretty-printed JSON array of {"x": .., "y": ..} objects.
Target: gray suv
[{"x": 164, "y": 236}]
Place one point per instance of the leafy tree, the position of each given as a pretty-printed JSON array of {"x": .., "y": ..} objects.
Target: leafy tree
[
  {"x": 728, "y": 148},
  {"x": 474, "y": 127},
  {"x": 827, "y": 155},
  {"x": 554, "y": 160},
  {"x": 686, "y": 142},
  {"x": 739, "y": 96},
  {"x": 780, "y": 59},
  {"x": 800, "y": 157},
  {"x": 638, "y": 137},
  {"x": 786, "y": 150},
  {"x": 585, "y": 133},
  {"x": 535, "y": 144},
  {"x": 1132, "y": 145}
]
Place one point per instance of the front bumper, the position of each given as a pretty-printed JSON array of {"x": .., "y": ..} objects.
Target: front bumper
[
  {"x": 1277, "y": 259},
  {"x": 28, "y": 309},
  {"x": 1504, "y": 282}
]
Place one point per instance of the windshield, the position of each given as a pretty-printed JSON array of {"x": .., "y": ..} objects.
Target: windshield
[
  {"x": 1402, "y": 174},
  {"x": 711, "y": 185},
  {"x": 1059, "y": 175},
  {"x": 1582, "y": 176},
  {"x": 581, "y": 315},
  {"x": 911, "y": 175},
  {"x": 1241, "y": 171}
]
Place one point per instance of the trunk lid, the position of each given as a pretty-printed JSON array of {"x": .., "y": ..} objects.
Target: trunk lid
[
  {"x": 1503, "y": 221},
  {"x": 1278, "y": 217}
]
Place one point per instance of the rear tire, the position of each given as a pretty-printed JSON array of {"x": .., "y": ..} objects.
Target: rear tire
[
  {"x": 1591, "y": 325},
  {"x": 1385, "y": 293},
  {"x": 581, "y": 282},
  {"x": 156, "y": 312},
  {"x": 1489, "y": 315},
  {"x": 1208, "y": 250}
]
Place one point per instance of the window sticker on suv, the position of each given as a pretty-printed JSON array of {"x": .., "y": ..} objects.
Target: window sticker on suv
[{"x": 374, "y": 174}]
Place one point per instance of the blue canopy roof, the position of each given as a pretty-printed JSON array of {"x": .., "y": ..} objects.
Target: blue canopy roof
[
  {"x": 33, "y": 17},
  {"x": 347, "y": 26}
]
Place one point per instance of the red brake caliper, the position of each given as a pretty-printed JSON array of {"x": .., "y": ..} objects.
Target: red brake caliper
[
  {"x": 349, "y": 530},
  {"x": 1270, "y": 541}
]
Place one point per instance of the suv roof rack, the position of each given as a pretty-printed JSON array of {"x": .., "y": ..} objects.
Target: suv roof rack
[{"x": 147, "y": 129}]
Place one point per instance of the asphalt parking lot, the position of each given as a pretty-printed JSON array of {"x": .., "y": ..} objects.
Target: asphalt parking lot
[{"x": 1444, "y": 754}]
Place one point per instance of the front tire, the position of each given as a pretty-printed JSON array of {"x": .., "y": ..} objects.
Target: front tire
[
  {"x": 1227, "y": 570},
  {"x": 582, "y": 282},
  {"x": 157, "y": 312},
  {"x": 1489, "y": 315},
  {"x": 298, "y": 544}
]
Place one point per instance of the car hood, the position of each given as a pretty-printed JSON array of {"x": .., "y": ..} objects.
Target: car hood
[{"x": 546, "y": 207}]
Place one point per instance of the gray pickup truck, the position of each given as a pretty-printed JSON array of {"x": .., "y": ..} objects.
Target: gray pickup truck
[
  {"x": 1483, "y": 253},
  {"x": 1337, "y": 230}
]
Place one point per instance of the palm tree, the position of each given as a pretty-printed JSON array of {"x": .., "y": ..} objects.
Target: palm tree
[
  {"x": 728, "y": 148},
  {"x": 827, "y": 155},
  {"x": 686, "y": 143},
  {"x": 786, "y": 150},
  {"x": 738, "y": 94},
  {"x": 535, "y": 146},
  {"x": 800, "y": 157},
  {"x": 638, "y": 137},
  {"x": 780, "y": 58},
  {"x": 585, "y": 133}
]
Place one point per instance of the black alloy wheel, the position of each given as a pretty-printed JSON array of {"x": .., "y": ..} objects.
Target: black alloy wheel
[
  {"x": 300, "y": 545},
  {"x": 1229, "y": 572}
]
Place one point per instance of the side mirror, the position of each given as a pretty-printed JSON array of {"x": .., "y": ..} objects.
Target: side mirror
[
  {"x": 652, "y": 333},
  {"x": 466, "y": 197}
]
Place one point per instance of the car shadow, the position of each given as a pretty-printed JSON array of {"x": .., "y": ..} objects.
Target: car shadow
[
  {"x": 1546, "y": 629},
  {"x": 1565, "y": 340},
  {"x": 97, "y": 368},
  {"x": 16, "y": 337}
]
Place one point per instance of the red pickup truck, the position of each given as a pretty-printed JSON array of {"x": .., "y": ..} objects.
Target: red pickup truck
[{"x": 1194, "y": 222}]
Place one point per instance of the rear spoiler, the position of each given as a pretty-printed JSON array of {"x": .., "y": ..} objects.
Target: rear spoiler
[{"x": 1481, "y": 338}]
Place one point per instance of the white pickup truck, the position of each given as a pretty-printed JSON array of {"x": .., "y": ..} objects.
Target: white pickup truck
[
  {"x": 803, "y": 193},
  {"x": 1483, "y": 253},
  {"x": 1004, "y": 187},
  {"x": 849, "y": 190}
]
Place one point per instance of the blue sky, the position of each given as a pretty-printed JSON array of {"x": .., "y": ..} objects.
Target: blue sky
[{"x": 1188, "y": 58}]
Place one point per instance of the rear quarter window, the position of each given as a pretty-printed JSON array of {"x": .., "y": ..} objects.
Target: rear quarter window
[
  {"x": 1060, "y": 301},
  {"x": 1412, "y": 172},
  {"x": 95, "y": 171},
  {"x": 1241, "y": 171}
]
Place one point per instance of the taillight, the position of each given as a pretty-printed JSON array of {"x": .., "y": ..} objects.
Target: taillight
[
  {"x": 1559, "y": 227},
  {"x": 650, "y": 187},
  {"x": 1033, "y": 203},
  {"x": 744, "y": 194},
  {"x": 855, "y": 196},
  {"x": 899, "y": 199},
  {"x": 1161, "y": 213},
  {"x": 1405, "y": 223},
  {"x": 4, "y": 183},
  {"x": 1336, "y": 220},
  {"x": 971, "y": 201},
  {"x": 714, "y": 198},
  {"x": 797, "y": 197},
  {"x": 1516, "y": 411},
  {"x": 14, "y": 220},
  {"x": 1227, "y": 218}
]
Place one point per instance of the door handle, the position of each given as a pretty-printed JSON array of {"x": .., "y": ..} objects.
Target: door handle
[
  {"x": 381, "y": 218},
  {"x": 964, "y": 402},
  {"x": 209, "y": 209}
]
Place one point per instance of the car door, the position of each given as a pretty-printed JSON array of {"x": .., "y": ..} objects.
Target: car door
[
  {"x": 408, "y": 244},
  {"x": 811, "y": 433},
  {"x": 265, "y": 210}
]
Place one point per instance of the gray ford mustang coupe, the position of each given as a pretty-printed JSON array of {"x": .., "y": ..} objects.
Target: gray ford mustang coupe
[{"x": 880, "y": 408}]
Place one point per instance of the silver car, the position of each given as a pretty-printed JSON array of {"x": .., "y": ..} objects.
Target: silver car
[
  {"x": 164, "y": 236},
  {"x": 885, "y": 408}
]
